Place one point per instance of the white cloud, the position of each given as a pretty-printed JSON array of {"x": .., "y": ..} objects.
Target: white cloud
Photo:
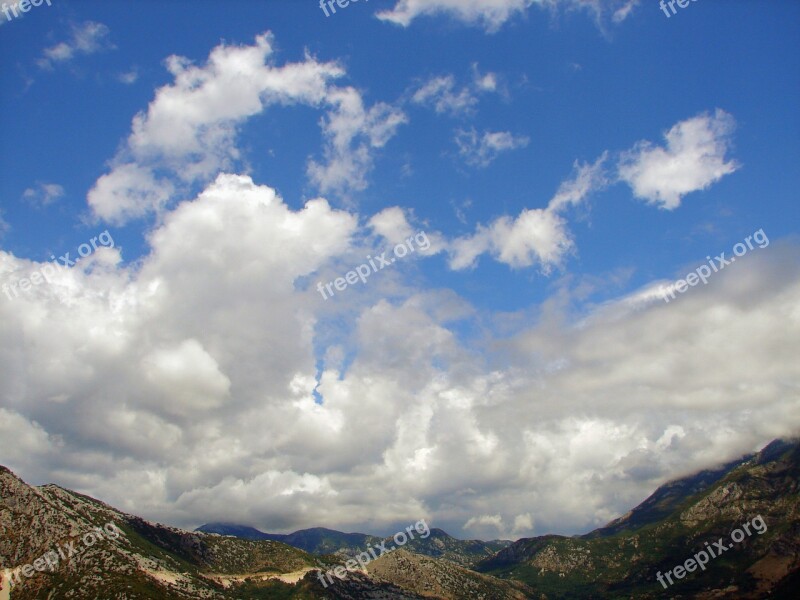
[
  {"x": 188, "y": 133},
  {"x": 493, "y": 14},
  {"x": 577, "y": 418},
  {"x": 480, "y": 150},
  {"x": 185, "y": 378},
  {"x": 87, "y": 38},
  {"x": 693, "y": 159},
  {"x": 588, "y": 177},
  {"x": 538, "y": 236},
  {"x": 439, "y": 92},
  {"x": 492, "y": 521},
  {"x": 129, "y": 191},
  {"x": 494, "y": 527},
  {"x": 197, "y": 115},
  {"x": 523, "y": 524},
  {"x": 484, "y": 82},
  {"x": 624, "y": 11},
  {"x": 30, "y": 440},
  {"x": 391, "y": 224},
  {"x": 44, "y": 194},
  {"x": 489, "y": 13},
  {"x": 129, "y": 77},
  {"x": 352, "y": 133}
]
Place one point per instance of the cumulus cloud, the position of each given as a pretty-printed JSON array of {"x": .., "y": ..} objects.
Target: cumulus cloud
[
  {"x": 189, "y": 131},
  {"x": 184, "y": 377},
  {"x": 394, "y": 226},
  {"x": 31, "y": 443},
  {"x": 693, "y": 159},
  {"x": 537, "y": 236},
  {"x": 480, "y": 150},
  {"x": 200, "y": 384},
  {"x": 129, "y": 191},
  {"x": 87, "y": 38},
  {"x": 391, "y": 224}
]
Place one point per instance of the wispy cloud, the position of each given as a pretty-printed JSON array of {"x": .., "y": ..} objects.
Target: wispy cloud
[
  {"x": 352, "y": 132},
  {"x": 129, "y": 77},
  {"x": 440, "y": 93},
  {"x": 480, "y": 150},
  {"x": 484, "y": 82},
  {"x": 43, "y": 194},
  {"x": 87, "y": 38},
  {"x": 493, "y": 14},
  {"x": 624, "y": 11},
  {"x": 489, "y": 13}
]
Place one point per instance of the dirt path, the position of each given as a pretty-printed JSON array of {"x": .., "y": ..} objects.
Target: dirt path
[{"x": 5, "y": 585}]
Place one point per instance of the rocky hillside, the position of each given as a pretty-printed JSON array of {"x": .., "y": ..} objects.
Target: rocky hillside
[
  {"x": 319, "y": 540},
  {"x": 138, "y": 559},
  {"x": 465, "y": 553},
  {"x": 624, "y": 558},
  {"x": 143, "y": 560},
  {"x": 441, "y": 579}
]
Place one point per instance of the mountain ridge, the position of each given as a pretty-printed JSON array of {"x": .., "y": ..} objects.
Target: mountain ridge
[
  {"x": 620, "y": 559},
  {"x": 321, "y": 540}
]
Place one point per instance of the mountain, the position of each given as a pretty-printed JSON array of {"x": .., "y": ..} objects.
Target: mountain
[
  {"x": 442, "y": 579},
  {"x": 680, "y": 519},
  {"x": 239, "y": 531},
  {"x": 105, "y": 553},
  {"x": 319, "y": 540},
  {"x": 96, "y": 551},
  {"x": 62, "y": 544},
  {"x": 465, "y": 553}
]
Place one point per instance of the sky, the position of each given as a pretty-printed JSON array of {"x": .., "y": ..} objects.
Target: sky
[{"x": 504, "y": 265}]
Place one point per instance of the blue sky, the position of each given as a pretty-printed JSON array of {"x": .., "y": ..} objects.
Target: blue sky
[{"x": 566, "y": 158}]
